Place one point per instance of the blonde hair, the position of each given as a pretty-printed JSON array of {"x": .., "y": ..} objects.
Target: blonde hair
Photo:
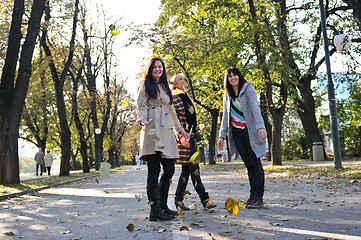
[{"x": 176, "y": 78}]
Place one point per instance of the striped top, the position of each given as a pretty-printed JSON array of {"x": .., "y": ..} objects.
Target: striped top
[{"x": 237, "y": 116}]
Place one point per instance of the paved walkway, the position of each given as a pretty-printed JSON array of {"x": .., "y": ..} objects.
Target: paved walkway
[{"x": 296, "y": 208}]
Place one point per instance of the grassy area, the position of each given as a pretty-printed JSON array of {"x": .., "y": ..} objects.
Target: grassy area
[
  {"x": 298, "y": 170},
  {"x": 39, "y": 182},
  {"x": 349, "y": 172}
]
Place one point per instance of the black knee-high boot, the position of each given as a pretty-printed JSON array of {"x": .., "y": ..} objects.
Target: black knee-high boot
[
  {"x": 155, "y": 211},
  {"x": 163, "y": 198}
]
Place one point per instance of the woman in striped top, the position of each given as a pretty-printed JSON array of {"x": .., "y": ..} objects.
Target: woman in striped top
[{"x": 243, "y": 123}]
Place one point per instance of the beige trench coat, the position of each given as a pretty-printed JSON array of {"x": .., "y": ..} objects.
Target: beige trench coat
[{"x": 159, "y": 135}]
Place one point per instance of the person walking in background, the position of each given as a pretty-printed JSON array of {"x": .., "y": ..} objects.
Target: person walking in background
[
  {"x": 39, "y": 161},
  {"x": 48, "y": 159},
  {"x": 187, "y": 117},
  {"x": 158, "y": 144},
  {"x": 137, "y": 160},
  {"x": 243, "y": 123}
]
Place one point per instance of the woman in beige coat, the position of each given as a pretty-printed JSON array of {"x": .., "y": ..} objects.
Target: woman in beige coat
[{"x": 158, "y": 144}]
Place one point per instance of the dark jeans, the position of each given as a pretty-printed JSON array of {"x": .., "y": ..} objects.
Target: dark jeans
[
  {"x": 193, "y": 171},
  {"x": 253, "y": 164},
  {"x": 153, "y": 162},
  {"x": 48, "y": 168},
  {"x": 37, "y": 169}
]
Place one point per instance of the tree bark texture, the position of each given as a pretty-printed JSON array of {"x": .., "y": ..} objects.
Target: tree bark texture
[
  {"x": 213, "y": 136},
  {"x": 59, "y": 85},
  {"x": 13, "y": 93},
  {"x": 356, "y": 7}
]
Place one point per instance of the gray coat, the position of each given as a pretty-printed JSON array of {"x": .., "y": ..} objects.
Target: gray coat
[
  {"x": 39, "y": 158},
  {"x": 253, "y": 118}
]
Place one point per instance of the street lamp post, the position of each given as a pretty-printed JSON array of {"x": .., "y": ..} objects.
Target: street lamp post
[
  {"x": 98, "y": 131},
  {"x": 331, "y": 93}
]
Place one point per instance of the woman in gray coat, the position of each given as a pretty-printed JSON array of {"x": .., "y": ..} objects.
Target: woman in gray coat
[{"x": 243, "y": 123}]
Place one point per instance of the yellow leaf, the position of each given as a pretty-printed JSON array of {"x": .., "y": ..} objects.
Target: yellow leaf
[
  {"x": 232, "y": 206},
  {"x": 130, "y": 227},
  {"x": 177, "y": 91},
  {"x": 153, "y": 40},
  {"x": 196, "y": 158},
  {"x": 186, "y": 192},
  {"x": 243, "y": 205},
  {"x": 156, "y": 138},
  {"x": 115, "y": 32},
  {"x": 125, "y": 103},
  {"x": 181, "y": 213}
]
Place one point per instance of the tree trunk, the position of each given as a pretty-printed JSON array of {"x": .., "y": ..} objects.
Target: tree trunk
[
  {"x": 264, "y": 110},
  {"x": 59, "y": 86},
  {"x": 12, "y": 99},
  {"x": 306, "y": 112},
  {"x": 356, "y": 7},
  {"x": 276, "y": 148},
  {"x": 213, "y": 136},
  {"x": 78, "y": 123},
  {"x": 358, "y": 153}
]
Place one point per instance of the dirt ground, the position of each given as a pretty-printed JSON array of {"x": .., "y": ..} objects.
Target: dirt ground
[{"x": 102, "y": 208}]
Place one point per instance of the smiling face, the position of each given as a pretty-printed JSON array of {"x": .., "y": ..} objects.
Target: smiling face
[
  {"x": 233, "y": 79},
  {"x": 157, "y": 70}
]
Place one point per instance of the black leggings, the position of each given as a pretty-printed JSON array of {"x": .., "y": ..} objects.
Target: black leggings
[{"x": 153, "y": 162}]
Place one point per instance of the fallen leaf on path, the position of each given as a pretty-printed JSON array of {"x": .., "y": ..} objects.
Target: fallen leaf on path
[
  {"x": 232, "y": 206},
  {"x": 130, "y": 227},
  {"x": 139, "y": 197},
  {"x": 9, "y": 234},
  {"x": 184, "y": 227}
]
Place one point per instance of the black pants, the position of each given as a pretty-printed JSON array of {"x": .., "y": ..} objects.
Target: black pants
[
  {"x": 193, "y": 171},
  {"x": 48, "y": 168},
  {"x": 253, "y": 164},
  {"x": 37, "y": 169},
  {"x": 153, "y": 162}
]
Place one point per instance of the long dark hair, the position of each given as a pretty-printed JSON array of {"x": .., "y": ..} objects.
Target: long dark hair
[
  {"x": 150, "y": 83},
  {"x": 228, "y": 87}
]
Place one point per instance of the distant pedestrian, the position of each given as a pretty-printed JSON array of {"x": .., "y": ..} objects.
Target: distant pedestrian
[
  {"x": 158, "y": 145},
  {"x": 243, "y": 123},
  {"x": 187, "y": 117},
  {"x": 137, "y": 159},
  {"x": 48, "y": 159},
  {"x": 39, "y": 160}
]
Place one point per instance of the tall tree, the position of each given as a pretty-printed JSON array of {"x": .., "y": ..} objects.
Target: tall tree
[
  {"x": 59, "y": 84},
  {"x": 13, "y": 87}
]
